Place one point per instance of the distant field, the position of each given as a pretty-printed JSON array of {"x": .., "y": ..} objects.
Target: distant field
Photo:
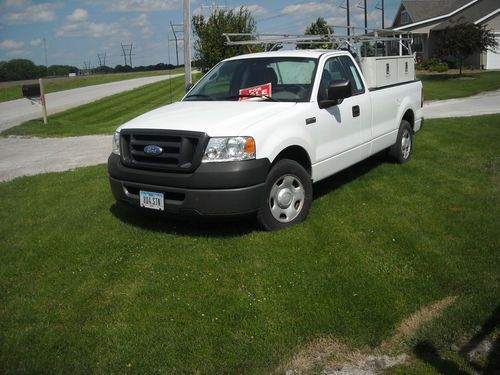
[
  {"x": 449, "y": 86},
  {"x": 12, "y": 90}
]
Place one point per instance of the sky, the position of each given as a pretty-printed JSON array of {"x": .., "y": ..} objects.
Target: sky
[{"x": 77, "y": 32}]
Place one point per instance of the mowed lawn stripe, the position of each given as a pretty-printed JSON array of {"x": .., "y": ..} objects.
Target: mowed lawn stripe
[{"x": 105, "y": 115}]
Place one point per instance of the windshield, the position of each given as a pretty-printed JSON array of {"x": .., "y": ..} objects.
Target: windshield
[{"x": 284, "y": 79}]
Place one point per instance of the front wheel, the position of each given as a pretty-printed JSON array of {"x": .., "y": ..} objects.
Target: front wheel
[
  {"x": 402, "y": 150},
  {"x": 288, "y": 196}
]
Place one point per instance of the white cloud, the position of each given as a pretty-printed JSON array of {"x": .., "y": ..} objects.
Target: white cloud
[
  {"x": 25, "y": 12},
  {"x": 139, "y": 5},
  {"x": 18, "y": 53},
  {"x": 36, "y": 42},
  {"x": 312, "y": 7},
  {"x": 256, "y": 10},
  {"x": 11, "y": 44},
  {"x": 91, "y": 29},
  {"x": 142, "y": 21},
  {"x": 78, "y": 15}
]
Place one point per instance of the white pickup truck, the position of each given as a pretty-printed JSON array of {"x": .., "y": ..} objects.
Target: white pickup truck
[{"x": 255, "y": 133}]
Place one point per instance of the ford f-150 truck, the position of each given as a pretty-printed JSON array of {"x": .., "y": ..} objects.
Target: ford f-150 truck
[{"x": 255, "y": 133}]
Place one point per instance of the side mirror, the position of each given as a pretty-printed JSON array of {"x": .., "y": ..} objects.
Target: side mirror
[{"x": 337, "y": 92}]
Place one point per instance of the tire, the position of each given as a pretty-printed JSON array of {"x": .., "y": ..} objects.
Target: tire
[
  {"x": 288, "y": 196},
  {"x": 402, "y": 150}
]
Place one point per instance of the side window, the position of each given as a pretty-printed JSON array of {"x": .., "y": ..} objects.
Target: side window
[
  {"x": 332, "y": 71},
  {"x": 354, "y": 77}
]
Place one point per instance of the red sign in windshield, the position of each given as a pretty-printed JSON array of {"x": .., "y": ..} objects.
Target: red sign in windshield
[{"x": 261, "y": 90}]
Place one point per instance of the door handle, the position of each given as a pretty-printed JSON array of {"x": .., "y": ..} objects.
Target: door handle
[{"x": 355, "y": 111}]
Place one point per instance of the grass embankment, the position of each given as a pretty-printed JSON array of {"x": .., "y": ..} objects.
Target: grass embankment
[
  {"x": 105, "y": 115},
  {"x": 91, "y": 286},
  {"x": 59, "y": 84},
  {"x": 449, "y": 86}
]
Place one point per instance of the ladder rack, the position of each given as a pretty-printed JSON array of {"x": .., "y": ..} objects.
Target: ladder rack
[
  {"x": 384, "y": 56},
  {"x": 371, "y": 43}
]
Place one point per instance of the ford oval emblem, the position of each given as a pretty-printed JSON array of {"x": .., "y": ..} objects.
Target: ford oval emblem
[{"x": 153, "y": 150}]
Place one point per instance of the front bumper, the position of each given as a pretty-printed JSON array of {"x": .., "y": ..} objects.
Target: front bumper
[{"x": 213, "y": 189}]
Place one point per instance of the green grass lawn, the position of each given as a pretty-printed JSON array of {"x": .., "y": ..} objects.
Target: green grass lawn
[
  {"x": 105, "y": 115},
  {"x": 91, "y": 286},
  {"x": 447, "y": 86},
  {"x": 53, "y": 85}
]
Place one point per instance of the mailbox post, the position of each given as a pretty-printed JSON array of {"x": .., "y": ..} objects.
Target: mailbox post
[
  {"x": 36, "y": 94},
  {"x": 42, "y": 100}
]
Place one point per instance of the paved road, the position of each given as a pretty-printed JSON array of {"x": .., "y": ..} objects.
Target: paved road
[
  {"x": 17, "y": 111},
  {"x": 482, "y": 104},
  {"x": 28, "y": 156}
]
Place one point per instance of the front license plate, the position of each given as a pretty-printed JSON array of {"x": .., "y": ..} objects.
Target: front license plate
[{"x": 152, "y": 200}]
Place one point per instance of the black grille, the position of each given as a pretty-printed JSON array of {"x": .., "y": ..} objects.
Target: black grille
[{"x": 182, "y": 151}]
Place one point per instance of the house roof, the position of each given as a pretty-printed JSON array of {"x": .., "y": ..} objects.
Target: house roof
[
  {"x": 419, "y": 10},
  {"x": 471, "y": 14},
  {"x": 424, "y": 11}
]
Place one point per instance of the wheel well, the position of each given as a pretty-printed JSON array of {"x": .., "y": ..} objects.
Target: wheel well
[
  {"x": 297, "y": 154},
  {"x": 410, "y": 117}
]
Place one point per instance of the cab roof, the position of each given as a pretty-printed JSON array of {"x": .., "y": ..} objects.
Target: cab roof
[{"x": 310, "y": 53}]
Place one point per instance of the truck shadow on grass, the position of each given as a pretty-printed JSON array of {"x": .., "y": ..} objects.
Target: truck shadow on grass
[
  {"x": 479, "y": 352},
  {"x": 233, "y": 226},
  {"x": 183, "y": 225},
  {"x": 348, "y": 175}
]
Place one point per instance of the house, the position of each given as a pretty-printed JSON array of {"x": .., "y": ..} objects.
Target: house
[{"x": 425, "y": 19}]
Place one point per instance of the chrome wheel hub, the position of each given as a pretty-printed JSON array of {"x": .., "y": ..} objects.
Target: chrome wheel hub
[
  {"x": 286, "y": 198},
  {"x": 406, "y": 144}
]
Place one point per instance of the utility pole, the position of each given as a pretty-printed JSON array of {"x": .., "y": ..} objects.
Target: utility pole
[
  {"x": 173, "y": 26},
  {"x": 127, "y": 51},
  {"x": 187, "y": 44},
  {"x": 348, "y": 17},
  {"x": 130, "y": 54},
  {"x": 383, "y": 13},
  {"x": 366, "y": 18},
  {"x": 102, "y": 59}
]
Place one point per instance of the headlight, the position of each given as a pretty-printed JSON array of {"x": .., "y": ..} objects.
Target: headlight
[
  {"x": 229, "y": 149},
  {"x": 116, "y": 144}
]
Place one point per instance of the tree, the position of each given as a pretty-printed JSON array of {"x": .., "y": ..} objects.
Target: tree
[
  {"x": 319, "y": 27},
  {"x": 463, "y": 40},
  {"x": 209, "y": 46}
]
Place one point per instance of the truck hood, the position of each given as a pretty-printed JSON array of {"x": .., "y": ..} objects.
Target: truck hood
[{"x": 214, "y": 118}]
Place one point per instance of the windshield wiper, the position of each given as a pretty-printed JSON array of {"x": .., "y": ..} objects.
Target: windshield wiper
[
  {"x": 265, "y": 97},
  {"x": 200, "y": 96}
]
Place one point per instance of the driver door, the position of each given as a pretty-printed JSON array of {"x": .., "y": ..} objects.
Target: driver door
[{"x": 337, "y": 128}]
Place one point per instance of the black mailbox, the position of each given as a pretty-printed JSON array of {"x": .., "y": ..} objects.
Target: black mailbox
[{"x": 31, "y": 91}]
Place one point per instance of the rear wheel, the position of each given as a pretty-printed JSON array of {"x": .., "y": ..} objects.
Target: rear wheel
[
  {"x": 402, "y": 150},
  {"x": 288, "y": 196}
]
